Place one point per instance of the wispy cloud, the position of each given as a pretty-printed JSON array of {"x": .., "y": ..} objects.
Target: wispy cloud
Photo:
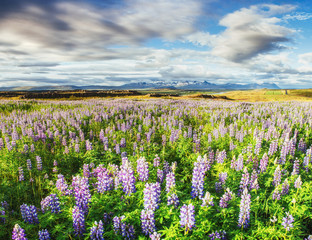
[
  {"x": 81, "y": 31},
  {"x": 301, "y": 16}
]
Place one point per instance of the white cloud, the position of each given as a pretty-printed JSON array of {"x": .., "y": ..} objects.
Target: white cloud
[
  {"x": 251, "y": 31},
  {"x": 84, "y": 32},
  {"x": 202, "y": 39},
  {"x": 300, "y": 16},
  {"x": 81, "y": 45},
  {"x": 305, "y": 58}
]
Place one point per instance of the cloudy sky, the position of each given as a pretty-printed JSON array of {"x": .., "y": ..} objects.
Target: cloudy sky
[{"x": 112, "y": 42}]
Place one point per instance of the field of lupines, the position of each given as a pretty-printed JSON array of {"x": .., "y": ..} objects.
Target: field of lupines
[{"x": 155, "y": 169}]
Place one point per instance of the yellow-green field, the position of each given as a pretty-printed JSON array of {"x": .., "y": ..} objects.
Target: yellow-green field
[
  {"x": 259, "y": 95},
  {"x": 270, "y": 95}
]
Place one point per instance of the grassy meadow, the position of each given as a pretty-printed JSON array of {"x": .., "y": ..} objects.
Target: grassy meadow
[{"x": 157, "y": 168}]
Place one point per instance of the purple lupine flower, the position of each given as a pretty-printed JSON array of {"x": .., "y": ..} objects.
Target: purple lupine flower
[
  {"x": 78, "y": 221},
  {"x": 285, "y": 187},
  {"x": 32, "y": 148},
  {"x": 258, "y": 146},
  {"x": 77, "y": 150},
  {"x": 199, "y": 172},
  {"x": 61, "y": 185},
  {"x": 107, "y": 217},
  {"x": 284, "y": 151},
  {"x": 127, "y": 178},
  {"x": 170, "y": 182},
  {"x": 117, "y": 223},
  {"x": 2, "y": 213},
  {"x": 298, "y": 182},
  {"x": 29, "y": 167},
  {"x": 218, "y": 187},
  {"x": 123, "y": 143},
  {"x": 20, "y": 174},
  {"x": 151, "y": 195},
  {"x": 295, "y": 168},
  {"x": 117, "y": 149},
  {"x": 18, "y": 233},
  {"x": 211, "y": 159},
  {"x": 233, "y": 162},
  {"x": 221, "y": 156},
  {"x": 45, "y": 204},
  {"x": 292, "y": 147},
  {"x": 160, "y": 175},
  {"x": 244, "y": 214},
  {"x": 33, "y": 216},
  {"x": 222, "y": 177},
  {"x": 207, "y": 200},
  {"x": 244, "y": 181},
  {"x": 54, "y": 204},
  {"x": 173, "y": 199},
  {"x": 26, "y": 148},
  {"x": 126, "y": 230},
  {"x": 82, "y": 193},
  {"x": 29, "y": 214},
  {"x": 39, "y": 163},
  {"x": 105, "y": 143},
  {"x": 97, "y": 230},
  {"x": 92, "y": 165},
  {"x": 88, "y": 145},
  {"x": 142, "y": 169},
  {"x": 218, "y": 235},
  {"x": 148, "y": 221},
  {"x": 277, "y": 176},
  {"x": 44, "y": 234},
  {"x": 254, "y": 181},
  {"x": 86, "y": 171},
  {"x": 64, "y": 142},
  {"x": 288, "y": 221},
  {"x": 273, "y": 147},
  {"x": 104, "y": 181},
  {"x": 302, "y": 146},
  {"x": 276, "y": 195},
  {"x": 239, "y": 165},
  {"x": 232, "y": 146},
  {"x": 66, "y": 150},
  {"x": 101, "y": 136},
  {"x": 166, "y": 168},
  {"x": 306, "y": 161},
  {"x": 227, "y": 196},
  {"x": 264, "y": 162},
  {"x": 4, "y": 205},
  {"x": 187, "y": 217},
  {"x": 155, "y": 236},
  {"x": 156, "y": 161},
  {"x": 309, "y": 237},
  {"x": 123, "y": 154},
  {"x": 9, "y": 146}
]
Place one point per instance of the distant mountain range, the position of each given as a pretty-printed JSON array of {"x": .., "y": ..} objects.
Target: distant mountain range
[{"x": 185, "y": 85}]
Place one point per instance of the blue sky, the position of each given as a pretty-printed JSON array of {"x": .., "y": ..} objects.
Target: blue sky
[{"x": 112, "y": 42}]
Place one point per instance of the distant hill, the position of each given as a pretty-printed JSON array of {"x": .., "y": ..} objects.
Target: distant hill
[{"x": 183, "y": 85}]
